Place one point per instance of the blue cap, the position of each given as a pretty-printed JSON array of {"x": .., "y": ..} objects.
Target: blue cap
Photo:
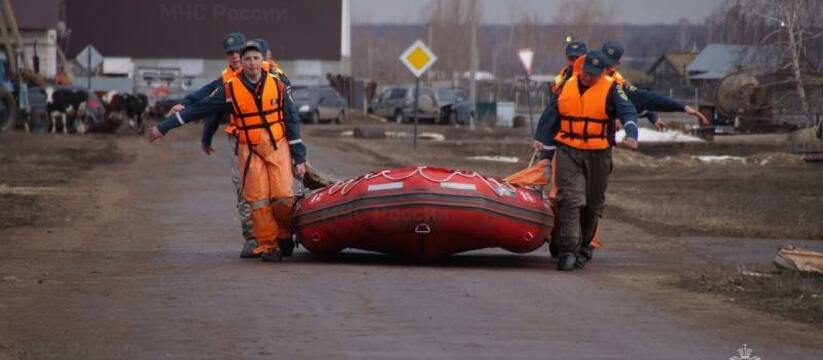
[
  {"x": 233, "y": 42},
  {"x": 576, "y": 48},
  {"x": 253, "y": 45},
  {"x": 264, "y": 44},
  {"x": 595, "y": 62},
  {"x": 613, "y": 51}
]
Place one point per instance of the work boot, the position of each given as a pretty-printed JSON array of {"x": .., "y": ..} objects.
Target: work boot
[
  {"x": 248, "y": 250},
  {"x": 272, "y": 256},
  {"x": 566, "y": 262},
  {"x": 580, "y": 261}
]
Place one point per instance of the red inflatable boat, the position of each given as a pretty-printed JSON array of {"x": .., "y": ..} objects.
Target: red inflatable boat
[{"x": 422, "y": 212}]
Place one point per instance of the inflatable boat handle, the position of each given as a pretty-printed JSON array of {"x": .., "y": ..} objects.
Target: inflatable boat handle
[{"x": 422, "y": 228}]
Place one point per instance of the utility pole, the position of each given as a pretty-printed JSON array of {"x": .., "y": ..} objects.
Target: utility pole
[
  {"x": 430, "y": 42},
  {"x": 11, "y": 53},
  {"x": 12, "y": 23},
  {"x": 473, "y": 59}
]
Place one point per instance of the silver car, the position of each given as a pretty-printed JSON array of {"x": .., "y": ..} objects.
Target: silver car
[
  {"x": 396, "y": 103},
  {"x": 319, "y": 103}
]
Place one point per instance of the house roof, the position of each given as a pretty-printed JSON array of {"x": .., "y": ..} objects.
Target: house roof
[
  {"x": 678, "y": 60},
  {"x": 718, "y": 60}
]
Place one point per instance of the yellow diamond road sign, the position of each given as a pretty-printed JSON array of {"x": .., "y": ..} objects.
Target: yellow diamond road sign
[{"x": 418, "y": 58}]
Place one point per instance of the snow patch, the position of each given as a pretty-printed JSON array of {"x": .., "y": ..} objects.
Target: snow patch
[
  {"x": 650, "y": 135},
  {"x": 720, "y": 158}
]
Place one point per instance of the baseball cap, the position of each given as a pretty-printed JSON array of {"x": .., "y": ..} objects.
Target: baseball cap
[
  {"x": 613, "y": 51},
  {"x": 575, "y": 48},
  {"x": 595, "y": 62},
  {"x": 233, "y": 42}
]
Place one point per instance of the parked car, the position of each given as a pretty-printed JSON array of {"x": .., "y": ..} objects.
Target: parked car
[
  {"x": 319, "y": 103},
  {"x": 455, "y": 108},
  {"x": 396, "y": 103}
]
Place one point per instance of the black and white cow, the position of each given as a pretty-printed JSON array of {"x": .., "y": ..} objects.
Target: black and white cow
[{"x": 65, "y": 103}]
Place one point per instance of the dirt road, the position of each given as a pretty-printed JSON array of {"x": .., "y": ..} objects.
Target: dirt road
[{"x": 145, "y": 266}]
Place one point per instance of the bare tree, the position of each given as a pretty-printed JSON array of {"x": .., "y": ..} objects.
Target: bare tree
[
  {"x": 789, "y": 26},
  {"x": 586, "y": 19},
  {"x": 449, "y": 23},
  {"x": 798, "y": 22},
  {"x": 684, "y": 38}
]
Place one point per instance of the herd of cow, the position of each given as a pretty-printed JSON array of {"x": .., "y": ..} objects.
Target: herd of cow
[{"x": 71, "y": 109}]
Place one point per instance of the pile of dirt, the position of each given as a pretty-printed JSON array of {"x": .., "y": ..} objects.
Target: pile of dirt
[
  {"x": 792, "y": 295},
  {"x": 623, "y": 157}
]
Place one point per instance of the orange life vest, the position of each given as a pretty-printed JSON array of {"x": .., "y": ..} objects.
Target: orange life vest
[
  {"x": 618, "y": 78},
  {"x": 578, "y": 65},
  {"x": 256, "y": 116},
  {"x": 584, "y": 123},
  {"x": 564, "y": 74},
  {"x": 227, "y": 74}
]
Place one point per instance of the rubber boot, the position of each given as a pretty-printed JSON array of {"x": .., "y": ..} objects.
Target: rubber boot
[
  {"x": 248, "y": 250},
  {"x": 272, "y": 256},
  {"x": 566, "y": 262},
  {"x": 587, "y": 252}
]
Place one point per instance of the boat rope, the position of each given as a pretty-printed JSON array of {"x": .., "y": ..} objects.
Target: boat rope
[{"x": 345, "y": 186}]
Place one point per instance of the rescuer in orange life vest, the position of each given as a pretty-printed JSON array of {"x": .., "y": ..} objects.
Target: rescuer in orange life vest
[
  {"x": 574, "y": 50},
  {"x": 579, "y": 126},
  {"x": 232, "y": 45},
  {"x": 269, "y": 145},
  {"x": 646, "y": 102}
]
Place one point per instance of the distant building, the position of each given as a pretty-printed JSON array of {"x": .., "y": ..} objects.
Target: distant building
[
  {"x": 308, "y": 38},
  {"x": 669, "y": 71},
  {"x": 38, "y": 23}
]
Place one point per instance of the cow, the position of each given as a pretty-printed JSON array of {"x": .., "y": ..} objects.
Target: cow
[
  {"x": 65, "y": 103},
  {"x": 129, "y": 107}
]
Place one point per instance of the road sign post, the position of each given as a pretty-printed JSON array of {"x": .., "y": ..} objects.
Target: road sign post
[
  {"x": 418, "y": 58},
  {"x": 89, "y": 59},
  {"x": 526, "y": 58}
]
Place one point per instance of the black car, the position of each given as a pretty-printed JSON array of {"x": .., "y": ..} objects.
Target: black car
[{"x": 319, "y": 103}]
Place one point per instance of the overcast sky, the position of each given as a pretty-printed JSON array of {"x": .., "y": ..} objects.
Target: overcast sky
[{"x": 500, "y": 11}]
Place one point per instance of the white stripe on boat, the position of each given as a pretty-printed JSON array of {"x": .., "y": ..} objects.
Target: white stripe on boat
[
  {"x": 386, "y": 186},
  {"x": 458, "y": 186}
]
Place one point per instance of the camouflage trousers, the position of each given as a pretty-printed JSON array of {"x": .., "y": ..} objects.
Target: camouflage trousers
[{"x": 243, "y": 207}]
